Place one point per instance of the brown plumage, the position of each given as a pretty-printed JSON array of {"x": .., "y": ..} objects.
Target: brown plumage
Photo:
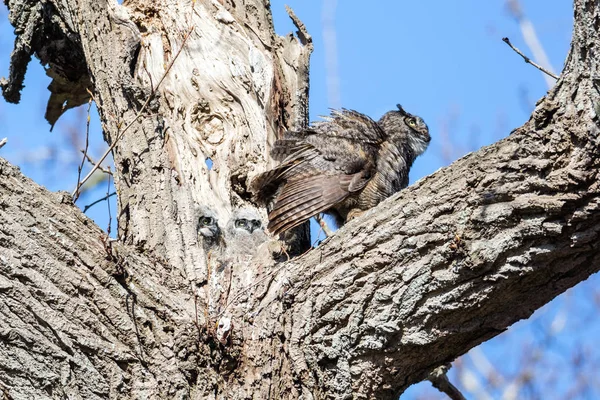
[{"x": 344, "y": 165}]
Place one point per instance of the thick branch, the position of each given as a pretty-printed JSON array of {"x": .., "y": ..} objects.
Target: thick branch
[
  {"x": 84, "y": 316},
  {"x": 451, "y": 261}
]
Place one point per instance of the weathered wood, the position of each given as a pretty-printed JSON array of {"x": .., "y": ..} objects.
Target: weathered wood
[{"x": 165, "y": 312}]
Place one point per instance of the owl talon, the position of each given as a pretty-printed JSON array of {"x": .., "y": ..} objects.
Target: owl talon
[{"x": 354, "y": 213}]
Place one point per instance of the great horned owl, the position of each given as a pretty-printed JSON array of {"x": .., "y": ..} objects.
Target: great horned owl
[
  {"x": 244, "y": 231},
  {"x": 208, "y": 228},
  {"x": 345, "y": 164}
]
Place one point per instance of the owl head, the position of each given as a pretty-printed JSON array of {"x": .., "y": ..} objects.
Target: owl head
[
  {"x": 401, "y": 125},
  {"x": 244, "y": 221},
  {"x": 207, "y": 226},
  {"x": 244, "y": 232}
]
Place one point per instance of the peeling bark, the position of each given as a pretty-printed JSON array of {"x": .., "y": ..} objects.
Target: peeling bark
[{"x": 188, "y": 303}]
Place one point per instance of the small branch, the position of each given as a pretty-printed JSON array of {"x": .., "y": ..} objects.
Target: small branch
[
  {"x": 321, "y": 220},
  {"x": 439, "y": 380},
  {"x": 87, "y": 144},
  {"x": 98, "y": 201},
  {"x": 106, "y": 170},
  {"x": 108, "y": 203},
  {"x": 528, "y": 60},
  {"x": 530, "y": 38},
  {"x": 3, "y": 142},
  {"x": 138, "y": 115}
]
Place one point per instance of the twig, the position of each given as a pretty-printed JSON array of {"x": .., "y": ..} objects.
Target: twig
[
  {"x": 528, "y": 60},
  {"x": 3, "y": 142},
  {"x": 137, "y": 116},
  {"x": 439, "y": 380},
  {"x": 98, "y": 201},
  {"x": 108, "y": 204},
  {"x": 106, "y": 170},
  {"x": 87, "y": 143},
  {"x": 530, "y": 38},
  {"x": 321, "y": 220},
  {"x": 316, "y": 241}
]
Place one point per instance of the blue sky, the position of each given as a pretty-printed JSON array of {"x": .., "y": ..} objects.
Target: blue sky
[{"x": 443, "y": 60}]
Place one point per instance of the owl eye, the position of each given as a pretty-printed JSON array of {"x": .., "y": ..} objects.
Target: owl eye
[
  {"x": 241, "y": 223},
  {"x": 256, "y": 224},
  {"x": 207, "y": 221},
  {"x": 411, "y": 122}
]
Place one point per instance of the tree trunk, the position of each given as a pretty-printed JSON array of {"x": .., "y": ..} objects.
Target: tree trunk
[{"x": 191, "y": 303}]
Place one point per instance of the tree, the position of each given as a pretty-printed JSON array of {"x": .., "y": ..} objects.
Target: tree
[{"x": 190, "y": 97}]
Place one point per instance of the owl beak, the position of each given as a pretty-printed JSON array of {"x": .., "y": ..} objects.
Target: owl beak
[{"x": 426, "y": 135}]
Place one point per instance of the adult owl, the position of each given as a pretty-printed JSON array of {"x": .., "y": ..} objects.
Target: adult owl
[{"x": 343, "y": 165}]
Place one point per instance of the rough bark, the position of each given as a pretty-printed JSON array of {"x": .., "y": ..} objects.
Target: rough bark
[{"x": 165, "y": 313}]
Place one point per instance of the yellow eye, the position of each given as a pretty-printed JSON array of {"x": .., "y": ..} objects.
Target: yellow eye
[
  {"x": 206, "y": 221},
  {"x": 411, "y": 122}
]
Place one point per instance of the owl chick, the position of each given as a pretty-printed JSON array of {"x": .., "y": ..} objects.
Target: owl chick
[
  {"x": 343, "y": 165},
  {"x": 244, "y": 231}
]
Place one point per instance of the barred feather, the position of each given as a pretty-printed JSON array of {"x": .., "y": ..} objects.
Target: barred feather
[
  {"x": 310, "y": 196},
  {"x": 347, "y": 162}
]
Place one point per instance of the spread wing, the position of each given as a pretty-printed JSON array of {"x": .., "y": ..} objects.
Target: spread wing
[
  {"x": 265, "y": 185},
  {"x": 303, "y": 198},
  {"x": 350, "y": 124},
  {"x": 343, "y": 124},
  {"x": 309, "y": 183},
  {"x": 320, "y": 167}
]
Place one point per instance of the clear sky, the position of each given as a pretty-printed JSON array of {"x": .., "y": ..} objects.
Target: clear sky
[{"x": 442, "y": 60}]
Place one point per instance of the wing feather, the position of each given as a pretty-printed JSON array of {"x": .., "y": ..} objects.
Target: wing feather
[
  {"x": 306, "y": 197},
  {"x": 265, "y": 185},
  {"x": 352, "y": 125},
  {"x": 319, "y": 167}
]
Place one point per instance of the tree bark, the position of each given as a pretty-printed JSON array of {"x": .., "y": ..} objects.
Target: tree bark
[{"x": 168, "y": 311}]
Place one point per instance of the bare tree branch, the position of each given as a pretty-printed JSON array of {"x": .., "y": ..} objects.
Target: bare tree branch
[
  {"x": 439, "y": 380},
  {"x": 84, "y": 151},
  {"x": 532, "y": 41},
  {"x": 528, "y": 60},
  {"x": 108, "y": 196}
]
